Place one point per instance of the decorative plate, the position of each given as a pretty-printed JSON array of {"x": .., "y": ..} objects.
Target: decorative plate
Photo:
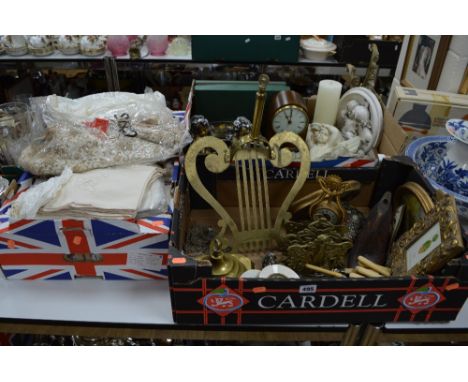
[
  {"x": 458, "y": 128},
  {"x": 368, "y": 105},
  {"x": 437, "y": 159}
]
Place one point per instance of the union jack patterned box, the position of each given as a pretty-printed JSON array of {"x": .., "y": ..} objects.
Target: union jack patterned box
[{"x": 64, "y": 249}]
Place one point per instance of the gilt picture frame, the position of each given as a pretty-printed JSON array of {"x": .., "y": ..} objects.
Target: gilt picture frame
[
  {"x": 424, "y": 61},
  {"x": 430, "y": 243},
  {"x": 463, "y": 89}
]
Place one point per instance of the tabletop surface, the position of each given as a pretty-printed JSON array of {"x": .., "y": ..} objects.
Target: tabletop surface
[{"x": 122, "y": 302}]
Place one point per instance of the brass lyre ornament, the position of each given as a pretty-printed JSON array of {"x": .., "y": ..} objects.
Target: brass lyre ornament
[{"x": 257, "y": 228}]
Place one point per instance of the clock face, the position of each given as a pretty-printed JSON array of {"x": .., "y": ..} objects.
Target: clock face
[{"x": 290, "y": 119}]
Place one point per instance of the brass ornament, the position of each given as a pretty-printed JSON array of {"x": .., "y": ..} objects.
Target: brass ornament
[
  {"x": 224, "y": 263},
  {"x": 441, "y": 246},
  {"x": 257, "y": 228},
  {"x": 370, "y": 78},
  {"x": 326, "y": 201},
  {"x": 199, "y": 126},
  {"x": 372, "y": 69},
  {"x": 352, "y": 80},
  {"x": 318, "y": 242}
]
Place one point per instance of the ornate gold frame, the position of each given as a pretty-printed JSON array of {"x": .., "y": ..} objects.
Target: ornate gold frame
[{"x": 444, "y": 213}]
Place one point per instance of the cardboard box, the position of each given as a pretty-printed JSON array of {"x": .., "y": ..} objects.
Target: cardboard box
[
  {"x": 425, "y": 112},
  {"x": 226, "y": 100},
  {"x": 65, "y": 249},
  {"x": 199, "y": 298}
]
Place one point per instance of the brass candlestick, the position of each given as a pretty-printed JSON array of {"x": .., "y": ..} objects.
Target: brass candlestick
[{"x": 225, "y": 263}]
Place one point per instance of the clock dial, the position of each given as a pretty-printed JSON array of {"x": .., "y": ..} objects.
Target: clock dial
[{"x": 290, "y": 119}]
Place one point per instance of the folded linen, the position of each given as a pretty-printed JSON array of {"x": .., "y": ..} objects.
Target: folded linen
[{"x": 114, "y": 193}]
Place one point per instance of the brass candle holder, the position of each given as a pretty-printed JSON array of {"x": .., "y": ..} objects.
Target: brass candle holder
[{"x": 225, "y": 263}]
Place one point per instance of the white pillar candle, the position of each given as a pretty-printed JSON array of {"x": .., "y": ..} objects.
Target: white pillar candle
[{"x": 328, "y": 97}]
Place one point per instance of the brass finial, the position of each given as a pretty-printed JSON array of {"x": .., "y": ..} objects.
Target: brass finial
[{"x": 259, "y": 105}]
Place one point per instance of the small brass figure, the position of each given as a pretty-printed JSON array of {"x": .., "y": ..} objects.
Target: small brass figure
[
  {"x": 326, "y": 202},
  {"x": 224, "y": 263},
  {"x": 351, "y": 78},
  {"x": 199, "y": 126},
  {"x": 372, "y": 69}
]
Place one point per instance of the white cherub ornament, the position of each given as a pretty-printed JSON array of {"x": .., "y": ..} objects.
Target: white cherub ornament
[
  {"x": 357, "y": 123},
  {"x": 326, "y": 143}
]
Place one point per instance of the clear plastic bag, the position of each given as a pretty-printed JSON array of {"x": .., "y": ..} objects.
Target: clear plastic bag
[{"x": 104, "y": 130}]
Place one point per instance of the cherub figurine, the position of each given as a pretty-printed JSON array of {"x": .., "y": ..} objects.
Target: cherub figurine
[
  {"x": 356, "y": 118},
  {"x": 326, "y": 142}
]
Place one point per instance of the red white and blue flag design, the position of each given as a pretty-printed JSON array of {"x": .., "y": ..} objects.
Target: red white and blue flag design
[{"x": 123, "y": 249}]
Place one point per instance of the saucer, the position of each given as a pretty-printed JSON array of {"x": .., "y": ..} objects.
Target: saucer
[
  {"x": 277, "y": 271},
  {"x": 458, "y": 128}
]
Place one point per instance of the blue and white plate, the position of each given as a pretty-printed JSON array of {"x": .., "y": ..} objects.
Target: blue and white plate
[
  {"x": 459, "y": 129},
  {"x": 444, "y": 162}
]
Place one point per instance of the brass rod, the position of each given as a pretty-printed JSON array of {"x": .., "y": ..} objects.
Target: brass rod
[
  {"x": 259, "y": 105},
  {"x": 252, "y": 190},
  {"x": 260, "y": 197},
  {"x": 267, "y": 196},
  {"x": 239, "y": 196},
  {"x": 246, "y": 194}
]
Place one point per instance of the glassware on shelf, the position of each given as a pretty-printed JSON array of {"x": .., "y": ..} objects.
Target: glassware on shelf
[
  {"x": 68, "y": 44},
  {"x": 118, "y": 45},
  {"x": 15, "y": 45},
  {"x": 157, "y": 45},
  {"x": 40, "y": 45},
  {"x": 15, "y": 128},
  {"x": 93, "y": 45},
  {"x": 179, "y": 46}
]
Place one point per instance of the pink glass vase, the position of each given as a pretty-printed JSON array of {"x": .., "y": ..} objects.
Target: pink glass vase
[
  {"x": 118, "y": 45},
  {"x": 157, "y": 45}
]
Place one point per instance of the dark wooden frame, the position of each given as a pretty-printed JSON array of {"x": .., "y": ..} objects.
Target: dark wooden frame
[{"x": 439, "y": 61}]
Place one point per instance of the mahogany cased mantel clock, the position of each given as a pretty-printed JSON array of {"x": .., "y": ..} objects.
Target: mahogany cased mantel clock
[{"x": 287, "y": 112}]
